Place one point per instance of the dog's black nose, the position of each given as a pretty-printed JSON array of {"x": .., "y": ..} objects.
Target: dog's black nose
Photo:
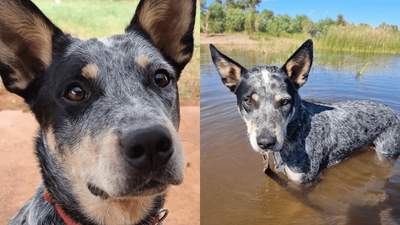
[
  {"x": 148, "y": 148},
  {"x": 266, "y": 142}
]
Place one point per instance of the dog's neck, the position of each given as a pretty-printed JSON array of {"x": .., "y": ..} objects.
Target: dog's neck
[
  {"x": 297, "y": 122},
  {"x": 158, "y": 218},
  {"x": 293, "y": 130}
]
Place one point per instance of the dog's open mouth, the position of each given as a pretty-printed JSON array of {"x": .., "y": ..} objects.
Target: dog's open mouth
[{"x": 150, "y": 188}]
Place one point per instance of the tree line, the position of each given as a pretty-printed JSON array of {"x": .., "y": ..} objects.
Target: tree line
[{"x": 241, "y": 15}]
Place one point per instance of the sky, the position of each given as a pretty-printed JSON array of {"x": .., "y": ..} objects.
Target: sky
[{"x": 372, "y": 12}]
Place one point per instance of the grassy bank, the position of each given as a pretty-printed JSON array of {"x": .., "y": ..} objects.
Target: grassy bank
[
  {"x": 275, "y": 51},
  {"x": 254, "y": 43},
  {"x": 338, "y": 39},
  {"x": 94, "y": 18},
  {"x": 360, "y": 39}
]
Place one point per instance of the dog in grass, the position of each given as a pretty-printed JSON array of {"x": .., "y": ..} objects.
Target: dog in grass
[
  {"x": 108, "y": 111},
  {"x": 304, "y": 136}
]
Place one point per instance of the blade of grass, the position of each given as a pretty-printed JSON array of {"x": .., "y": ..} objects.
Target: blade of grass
[{"x": 365, "y": 66}]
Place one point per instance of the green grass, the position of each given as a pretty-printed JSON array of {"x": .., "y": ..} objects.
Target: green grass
[
  {"x": 87, "y": 19},
  {"x": 360, "y": 39},
  {"x": 365, "y": 66},
  {"x": 94, "y": 18},
  {"x": 189, "y": 83},
  {"x": 351, "y": 38}
]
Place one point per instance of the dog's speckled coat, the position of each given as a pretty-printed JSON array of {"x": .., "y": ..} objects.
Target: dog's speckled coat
[{"x": 309, "y": 135}]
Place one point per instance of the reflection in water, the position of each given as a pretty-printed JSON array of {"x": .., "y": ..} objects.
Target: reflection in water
[
  {"x": 300, "y": 194},
  {"x": 234, "y": 190}
]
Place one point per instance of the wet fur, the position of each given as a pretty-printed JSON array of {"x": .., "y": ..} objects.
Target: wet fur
[
  {"x": 78, "y": 144},
  {"x": 310, "y": 135}
]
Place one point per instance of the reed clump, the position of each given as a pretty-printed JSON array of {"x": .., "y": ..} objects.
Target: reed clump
[{"x": 360, "y": 39}]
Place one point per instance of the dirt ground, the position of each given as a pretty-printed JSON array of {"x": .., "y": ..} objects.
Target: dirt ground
[
  {"x": 226, "y": 39},
  {"x": 19, "y": 172},
  {"x": 243, "y": 42}
]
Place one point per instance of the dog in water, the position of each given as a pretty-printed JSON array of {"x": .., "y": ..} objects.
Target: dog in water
[
  {"x": 108, "y": 111},
  {"x": 304, "y": 136}
]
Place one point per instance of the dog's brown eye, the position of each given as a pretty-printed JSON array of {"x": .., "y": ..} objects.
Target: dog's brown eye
[
  {"x": 76, "y": 94},
  {"x": 248, "y": 101},
  {"x": 285, "y": 102},
  {"x": 161, "y": 78}
]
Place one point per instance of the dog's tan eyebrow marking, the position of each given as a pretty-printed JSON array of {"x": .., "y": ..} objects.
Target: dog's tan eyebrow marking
[
  {"x": 143, "y": 61},
  {"x": 90, "y": 71},
  {"x": 278, "y": 98},
  {"x": 255, "y": 97}
]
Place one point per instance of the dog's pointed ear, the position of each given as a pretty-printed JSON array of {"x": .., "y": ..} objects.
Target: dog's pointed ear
[
  {"x": 26, "y": 42},
  {"x": 229, "y": 70},
  {"x": 170, "y": 24},
  {"x": 299, "y": 64}
]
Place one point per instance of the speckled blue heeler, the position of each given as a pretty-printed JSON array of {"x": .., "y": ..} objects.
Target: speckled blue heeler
[
  {"x": 108, "y": 110},
  {"x": 304, "y": 136}
]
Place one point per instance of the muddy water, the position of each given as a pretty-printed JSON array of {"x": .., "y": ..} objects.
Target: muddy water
[{"x": 234, "y": 190}]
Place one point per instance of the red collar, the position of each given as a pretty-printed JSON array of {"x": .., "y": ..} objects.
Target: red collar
[
  {"x": 64, "y": 216},
  {"x": 161, "y": 215}
]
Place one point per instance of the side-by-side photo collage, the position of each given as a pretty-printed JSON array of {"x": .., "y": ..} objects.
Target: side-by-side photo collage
[{"x": 199, "y": 112}]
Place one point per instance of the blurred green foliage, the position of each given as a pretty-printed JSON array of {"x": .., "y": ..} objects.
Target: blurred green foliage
[{"x": 95, "y": 18}]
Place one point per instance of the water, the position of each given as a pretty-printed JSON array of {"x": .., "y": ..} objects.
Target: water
[{"x": 234, "y": 190}]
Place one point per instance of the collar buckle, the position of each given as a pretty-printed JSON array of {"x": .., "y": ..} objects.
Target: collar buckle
[
  {"x": 265, "y": 161},
  {"x": 161, "y": 215}
]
